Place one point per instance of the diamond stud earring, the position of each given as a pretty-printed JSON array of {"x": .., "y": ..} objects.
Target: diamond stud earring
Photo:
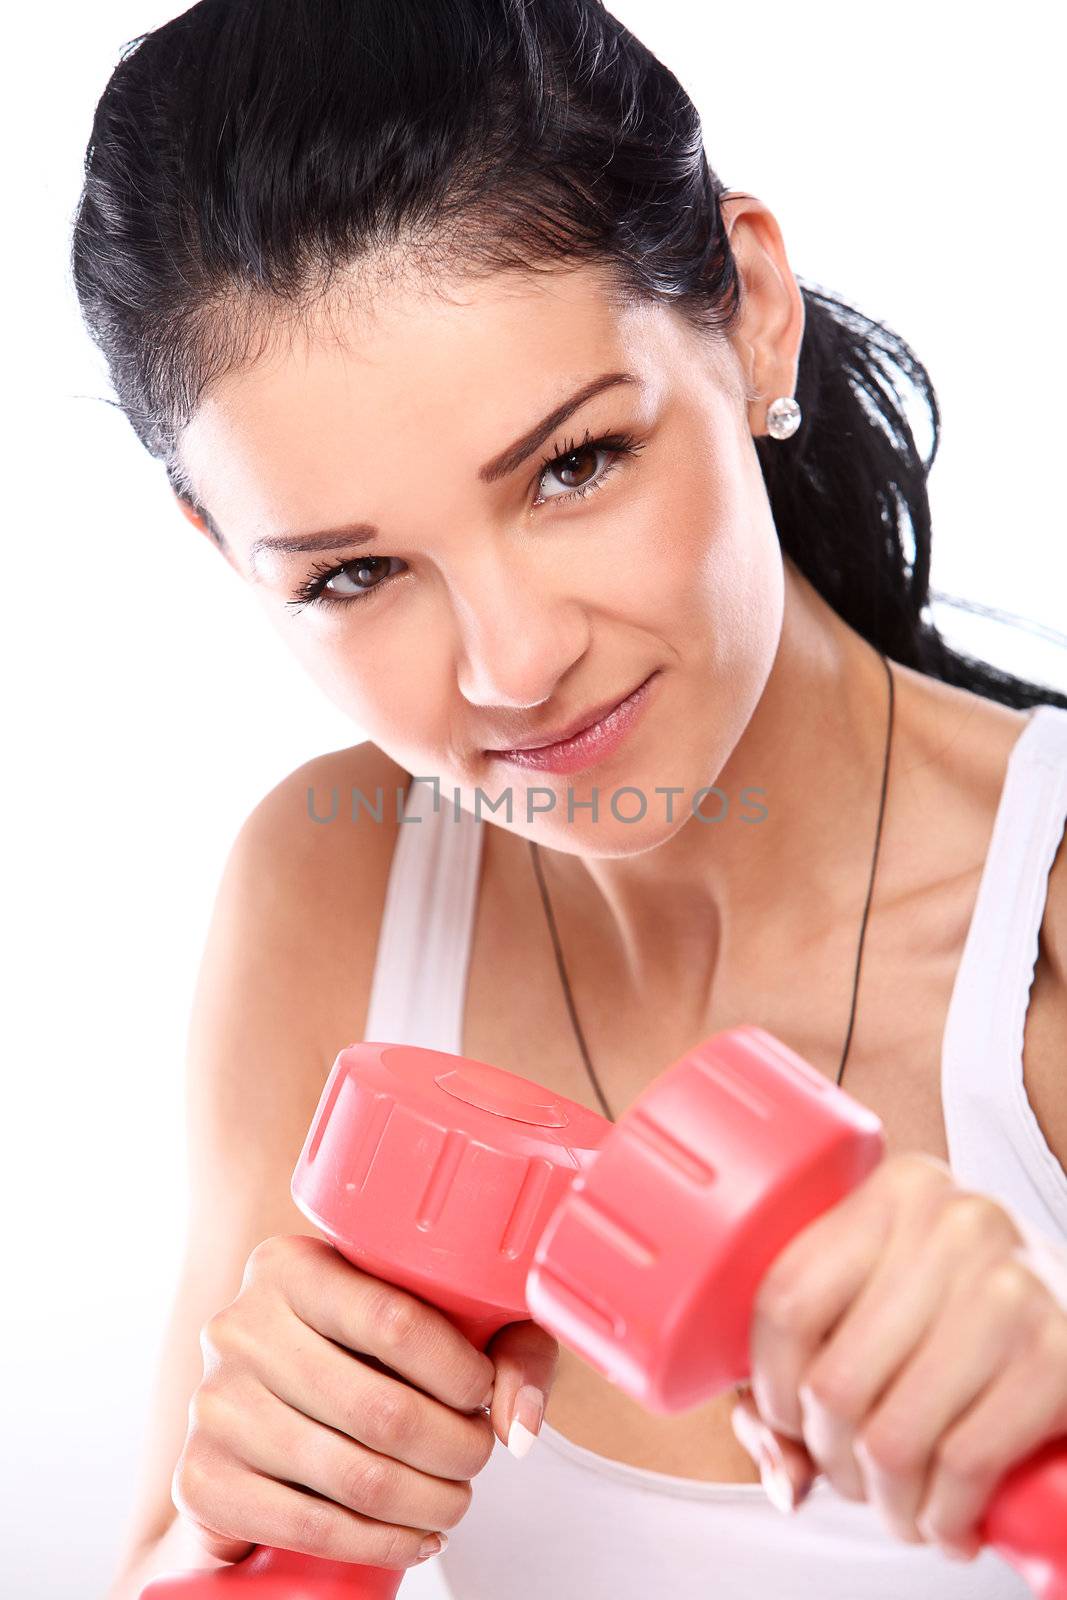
[{"x": 783, "y": 418}]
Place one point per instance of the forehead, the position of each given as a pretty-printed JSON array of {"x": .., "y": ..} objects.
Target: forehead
[{"x": 455, "y": 367}]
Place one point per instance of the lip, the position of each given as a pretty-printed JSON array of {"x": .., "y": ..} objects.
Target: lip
[
  {"x": 588, "y": 719},
  {"x": 587, "y": 745}
]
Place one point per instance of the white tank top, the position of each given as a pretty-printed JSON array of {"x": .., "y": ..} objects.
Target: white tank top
[{"x": 570, "y": 1524}]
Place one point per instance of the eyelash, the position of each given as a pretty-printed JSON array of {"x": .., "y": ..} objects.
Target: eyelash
[{"x": 313, "y": 590}]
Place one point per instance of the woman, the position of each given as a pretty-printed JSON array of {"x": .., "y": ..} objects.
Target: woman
[{"x": 516, "y": 421}]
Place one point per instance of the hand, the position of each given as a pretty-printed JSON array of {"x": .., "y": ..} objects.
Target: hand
[
  {"x": 340, "y": 1416},
  {"x": 907, "y": 1344}
]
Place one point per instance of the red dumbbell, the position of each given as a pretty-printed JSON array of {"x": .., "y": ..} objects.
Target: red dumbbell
[{"x": 639, "y": 1245}]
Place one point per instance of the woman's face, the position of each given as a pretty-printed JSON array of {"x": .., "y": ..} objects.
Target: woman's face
[{"x": 455, "y": 607}]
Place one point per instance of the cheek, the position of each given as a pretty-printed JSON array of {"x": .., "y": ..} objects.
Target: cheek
[
  {"x": 710, "y": 566},
  {"x": 375, "y": 677},
  {"x": 397, "y": 689}
]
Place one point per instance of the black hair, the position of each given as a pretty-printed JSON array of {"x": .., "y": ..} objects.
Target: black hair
[{"x": 246, "y": 151}]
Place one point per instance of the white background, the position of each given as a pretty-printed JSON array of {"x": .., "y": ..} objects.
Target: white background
[{"x": 912, "y": 156}]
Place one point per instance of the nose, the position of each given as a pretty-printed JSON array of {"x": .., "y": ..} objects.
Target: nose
[{"x": 517, "y": 639}]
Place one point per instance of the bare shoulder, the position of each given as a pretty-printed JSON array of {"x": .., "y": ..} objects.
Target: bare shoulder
[
  {"x": 285, "y": 976},
  {"x": 322, "y": 842},
  {"x": 959, "y": 739},
  {"x": 339, "y": 809},
  {"x": 951, "y": 750}
]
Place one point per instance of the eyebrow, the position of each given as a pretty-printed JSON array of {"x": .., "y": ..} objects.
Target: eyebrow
[{"x": 500, "y": 466}]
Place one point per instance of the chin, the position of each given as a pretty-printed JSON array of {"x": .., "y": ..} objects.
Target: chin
[{"x": 631, "y": 816}]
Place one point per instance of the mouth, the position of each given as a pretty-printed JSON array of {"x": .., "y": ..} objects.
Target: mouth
[
  {"x": 588, "y": 719},
  {"x": 592, "y": 739}
]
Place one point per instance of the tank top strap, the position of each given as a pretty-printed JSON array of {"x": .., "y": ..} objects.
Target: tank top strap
[
  {"x": 994, "y": 1139},
  {"x": 424, "y": 941}
]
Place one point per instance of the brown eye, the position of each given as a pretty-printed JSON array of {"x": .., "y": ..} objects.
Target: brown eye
[
  {"x": 364, "y": 574},
  {"x": 568, "y": 473},
  {"x": 576, "y": 470},
  {"x": 316, "y": 590},
  {"x": 573, "y": 461}
]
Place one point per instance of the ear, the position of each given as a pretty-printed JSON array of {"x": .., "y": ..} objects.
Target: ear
[
  {"x": 189, "y": 511},
  {"x": 768, "y": 337}
]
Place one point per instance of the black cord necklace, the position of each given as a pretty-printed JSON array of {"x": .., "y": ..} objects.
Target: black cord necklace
[{"x": 561, "y": 965}]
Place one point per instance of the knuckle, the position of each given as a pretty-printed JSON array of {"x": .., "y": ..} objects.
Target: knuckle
[
  {"x": 312, "y": 1525},
  {"x": 394, "y": 1319},
  {"x": 833, "y": 1392},
  {"x": 783, "y": 1304},
  {"x": 962, "y": 1457},
  {"x": 363, "y": 1482},
  {"x": 185, "y": 1484},
  {"x": 273, "y": 1258},
  {"x": 215, "y": 1333},
  {"x": 915, "y": 1172},
  {"x": 397, "y": 1546},
  {"x": 225, "y": 1341},
  {"x": 226, "y": 1334},
  {"x": 1008, "y": 1284},
  {"x": 205, "y": 1414},
  {"x": 263, "y": 1258},
  {"x": 487, "y": 1444},
  {"x": 913, "y": 1164},
  {"x": 890, "y": 1449},
  {"x": 967, "y": 1215},
  {"x": 193, "y": 1486},
  {"x": 462, "y": 1494},
  {"x": 389, "y": 1414}
]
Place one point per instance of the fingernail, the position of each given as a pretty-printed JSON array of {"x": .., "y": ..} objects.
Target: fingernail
[
  {"x": 525, "y": 1420},
  {"x": 752, "y": 1436},
  {"x": 746, "y": 1430},
  {"x": 489, "y": 1395},
  {"x": 777, "y": 1483},
  {"x": 432, "y": 1545}
]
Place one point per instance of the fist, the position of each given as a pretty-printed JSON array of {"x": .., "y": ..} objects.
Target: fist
[{"x": 911, "y": 1344}]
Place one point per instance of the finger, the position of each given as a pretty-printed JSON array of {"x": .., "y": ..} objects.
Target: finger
[
  {"x": 1015, "y": 1416},
  {"x": 344, "y": 1392},
  {"x": 413, "y": 1339},
  {"x": 800, "y": 1300},
  {"x": 967, "y": 1346},
  {"x": 792, "y": 1458},
  {"x": 811, "y": 1283},
  {"x": 883, "y": 1328},
  {"x": 882, "y": 1331},
  {"x": 524, "y": 1354},
  {"x": 295, "y": 1450},
  {"x": 270, "y": 1513}
]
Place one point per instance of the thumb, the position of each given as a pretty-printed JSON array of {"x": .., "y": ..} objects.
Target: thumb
[
  {"x": 787, "y": 1470},
  {"x": 525, "y": 1357}
]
